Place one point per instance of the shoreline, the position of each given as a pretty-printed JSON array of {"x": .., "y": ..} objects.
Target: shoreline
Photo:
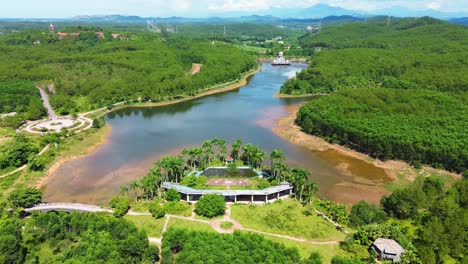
[
  {"x": 281, "y": 95},
  {"x": 225, "y": 87},
  {"x": 286, "y": 129},
  {"x": 103, "y": 139},
  {"x": 105, "y": 132}
]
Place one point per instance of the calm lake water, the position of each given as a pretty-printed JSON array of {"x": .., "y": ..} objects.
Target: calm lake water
[{"x": 141, "y": 135}]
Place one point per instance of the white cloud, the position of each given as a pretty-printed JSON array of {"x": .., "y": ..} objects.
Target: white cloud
[
  {"x": 433, "y": 5},
  {"x": 241, "y": 5}
]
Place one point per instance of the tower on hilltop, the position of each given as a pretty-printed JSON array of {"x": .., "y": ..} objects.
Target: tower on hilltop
[{"x": 51, "y": 29}]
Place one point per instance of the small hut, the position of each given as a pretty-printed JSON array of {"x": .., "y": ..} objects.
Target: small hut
[{"x": 387, "y": 249}]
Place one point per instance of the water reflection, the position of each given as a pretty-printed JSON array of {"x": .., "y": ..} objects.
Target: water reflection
[{"x": 141, "y": 135}]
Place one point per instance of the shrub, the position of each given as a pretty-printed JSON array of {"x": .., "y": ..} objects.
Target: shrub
[
  {"x": 232, "y": 169},
  {"x": 345, "y": 260},
  {"x": 172, "y": 195},
  {"x": 226, "y": 225},
  {"x": 25, "y": 198},
  {"x": 263, "y": 184},
  {"x": 120, "y": 204},
  {"x": 314, "y": 258},
  {"x": 156, "y": 210},
  {"x": 211, "y": 205},
  {"x": 177, "y": 208}
]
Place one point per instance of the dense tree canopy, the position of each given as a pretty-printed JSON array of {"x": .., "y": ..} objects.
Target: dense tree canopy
[
  {"x": 413, "y": 125},
  {"x": 21, "y": 97},
  {"x": 83, "y": 238},
  {"x": 89, "y": 72},
  {"x": 210, "y": 205},
  {"x": 17, "y": 152},
  {"x": 182, "y": 246},
  {"x": 422, "y": 53}
]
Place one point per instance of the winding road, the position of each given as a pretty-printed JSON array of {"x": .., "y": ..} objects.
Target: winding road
[{"x": 45, "y": 100}]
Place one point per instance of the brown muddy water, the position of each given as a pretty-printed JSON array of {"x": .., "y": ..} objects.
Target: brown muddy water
[{"x": 140, "y": 136}]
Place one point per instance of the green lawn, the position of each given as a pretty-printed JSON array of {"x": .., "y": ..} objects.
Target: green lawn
[
  {"x": 285, "y": 217},
  {"x": 178, "y": 208},
  {"x": 152, "y": 227},
  {"x": 191, "y": 225},
  {"x": 305, "y": 249}
]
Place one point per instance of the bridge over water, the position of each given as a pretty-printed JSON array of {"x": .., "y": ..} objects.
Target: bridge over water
[{"x": 68, "y": 207}]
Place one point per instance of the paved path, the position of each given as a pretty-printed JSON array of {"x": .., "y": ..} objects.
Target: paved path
[
  {"x": 45, "y": 99},
  {"x": 215, "y": 224},
  {"x": 26, "y": 165},
  {"x": 68, "y": 207},
  {"x": 156, "y": 240}
]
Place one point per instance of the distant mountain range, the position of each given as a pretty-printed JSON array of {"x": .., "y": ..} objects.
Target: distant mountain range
[
  {"x": 460, "y": 20},
  {"x": 323, "y": 10},
  {"x": 313, "y": 13}
]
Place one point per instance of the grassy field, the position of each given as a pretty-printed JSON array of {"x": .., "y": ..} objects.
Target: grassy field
[
  {"x": 191, "y": 225},
  {"x": 407, "y": 176},
  {"x": 285, "y": 217},
  {"x": 178, "y": 208},
  {"x": 305, "y": 249},
  {"x": 152, "y": 227}
]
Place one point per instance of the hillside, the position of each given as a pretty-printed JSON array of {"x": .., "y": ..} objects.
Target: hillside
[
  {"x": 423, "y": 53},
  {"x": 419, "y": 116},
  {"x": 90, "y": 72}
]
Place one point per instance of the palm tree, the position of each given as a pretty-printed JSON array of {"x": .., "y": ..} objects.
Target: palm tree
[
  {"x": 258, "y": 157},
  {"x": 276, "y": 158},
  {"x": 299, "y": 176},
  {"x": 151, "y": 183},
  {"x": 135, "y": 185},
  {"x": 311, "y": 190},
  {"x": 207, "y": 151},
  {"x": 281, "y": 170},
  {"x": 235, "y": 148},
  {"x": 247, "y": 154}
]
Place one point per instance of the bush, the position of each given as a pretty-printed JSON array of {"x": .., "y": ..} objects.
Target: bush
[
  {"x": 226, "y": 225},
  {"x": 345, "y": 260},
  {"x": 263, "y": 184},
  {"x": 314, "y": 258},
  {"x": 156, "y": 210},
  {"x": 25, "y": 198},
  {"x": 363, "y": 213},
  {"x": 120, "y": 204},
  {"x": 177, "y": 208},
  {"x": 211, "y": 205},
  {"x": 172, "y": 195}
]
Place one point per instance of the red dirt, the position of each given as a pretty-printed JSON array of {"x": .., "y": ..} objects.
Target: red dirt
[{"x": 196, "y": 67}]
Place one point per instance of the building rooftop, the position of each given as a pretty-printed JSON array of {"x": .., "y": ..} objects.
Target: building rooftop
[
  {"x": 187, "y": 190},
  {"x": 388, "y": 246}
]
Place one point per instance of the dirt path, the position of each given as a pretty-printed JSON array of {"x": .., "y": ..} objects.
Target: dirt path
[
  {"x": 45, "y": 99},
  {"x": 196, "y": 67},
  {"x": 26, "y": 165}
]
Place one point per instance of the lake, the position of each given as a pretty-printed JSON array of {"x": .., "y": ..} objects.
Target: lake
[{"x": 140, "y": 136}]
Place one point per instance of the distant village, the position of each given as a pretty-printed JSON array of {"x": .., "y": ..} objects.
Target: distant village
[{"x": 62, "y": 35}]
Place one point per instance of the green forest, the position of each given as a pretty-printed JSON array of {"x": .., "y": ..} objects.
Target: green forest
[
  {"x": 89, "y": 72},
  {"x": 21, "y": 97},
  {"x": 183, "y": 246},
  {"x": 397, "y": 91},
  {"x": 72, "y": 238},
  {"x": 408, "y": 54},
  {"x": 419, "y": 126},
  {"x": 426, "y": 217}
]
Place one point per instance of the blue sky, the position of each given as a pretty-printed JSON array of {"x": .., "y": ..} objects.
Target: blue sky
[{"x": 199, "y": 8}]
